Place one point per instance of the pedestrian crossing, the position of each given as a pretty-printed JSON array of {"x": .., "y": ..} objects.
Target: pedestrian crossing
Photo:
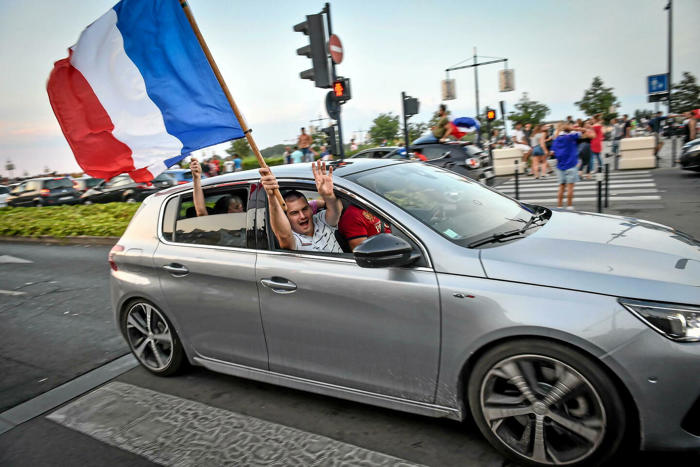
[{"x": 624, "y": 187}]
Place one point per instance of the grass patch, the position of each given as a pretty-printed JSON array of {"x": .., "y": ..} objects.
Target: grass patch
[{"x": 101, "y": 220}]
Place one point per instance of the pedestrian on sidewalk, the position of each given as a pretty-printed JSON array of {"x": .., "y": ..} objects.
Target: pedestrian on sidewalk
[
  {"x": 521, "y": 142},
  {"x": 690, "y": 126},
  {"x": 303, "y": 144},
  {"x": 538, "y": 141},
  {"x": 584, "y": 151},
  {"x": 565, "y": 151},
  {"x": 597, "y": 142},
  {"x": 618, "y": 132}
]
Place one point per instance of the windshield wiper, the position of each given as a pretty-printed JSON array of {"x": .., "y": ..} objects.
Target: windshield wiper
[{"x": 510, "y": 233}]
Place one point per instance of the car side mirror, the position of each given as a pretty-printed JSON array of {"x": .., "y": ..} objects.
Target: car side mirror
[{"x": 383, "y": 251}]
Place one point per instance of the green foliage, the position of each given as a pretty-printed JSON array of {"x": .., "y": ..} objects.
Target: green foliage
[
  {"x": 241, "y": 147},
  {"x": 598, "y": 99},
  {"x": 385, "y": 126},
  {"x": 527, "y": 111},
  {"x": 274, "y": 151},
  {"x": 415, "y": 130},
  {"x": 646, "y": 113},
  {"x": 685, "y": 95},
  {"x": 252, "y": 162},
  {"x": 102, "y": 220}
]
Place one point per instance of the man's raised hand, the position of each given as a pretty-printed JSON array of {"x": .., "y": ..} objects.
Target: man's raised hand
[
  {"x": 195, "y": 168},
  {"x": 323, "y": 178},
  {"x": 269, "y": 181}
]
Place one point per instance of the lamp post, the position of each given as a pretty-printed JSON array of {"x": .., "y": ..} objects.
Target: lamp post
[{"x": 669, "y": 8}]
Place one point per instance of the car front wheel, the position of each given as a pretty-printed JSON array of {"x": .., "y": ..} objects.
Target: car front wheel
[
  {"x": 541, "y": 403},
  {"x": 152, "y": 339}
]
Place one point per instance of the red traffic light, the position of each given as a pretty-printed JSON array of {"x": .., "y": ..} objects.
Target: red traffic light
[
  {"x": 339, "y": 89},
  {"x": 490, "y": 115}
]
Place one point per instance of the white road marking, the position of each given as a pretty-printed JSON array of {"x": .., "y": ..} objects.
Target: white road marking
[
  {"x": 12, "y": 292},
  {"x": 170, "y": 430},
  {"x": 7, "y": 259}
]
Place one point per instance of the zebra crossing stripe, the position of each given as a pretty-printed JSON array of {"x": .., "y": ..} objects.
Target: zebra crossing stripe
[
  {"x": 173, "y": 431},
  {"x": 593, "y": 199},
  {"x": 548, "y": 183},
  {"x": 578, "y": 187}
]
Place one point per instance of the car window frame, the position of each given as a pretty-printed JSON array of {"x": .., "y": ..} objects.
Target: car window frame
[
  {"x": 360, "y": 201},
  {"x": 247, "y": 184}
]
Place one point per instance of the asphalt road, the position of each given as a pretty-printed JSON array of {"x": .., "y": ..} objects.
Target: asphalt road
[{"x": 55, "y": 317}]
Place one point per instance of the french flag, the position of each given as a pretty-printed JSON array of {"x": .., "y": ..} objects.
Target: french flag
[
  {"x": 137, "y": 94},
  {"x": 463, "y": 125}
]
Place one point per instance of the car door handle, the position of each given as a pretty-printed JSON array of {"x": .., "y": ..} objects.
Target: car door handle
[
  {"x": 279, "y": 285},
  {"x": 176, "y": 269}
]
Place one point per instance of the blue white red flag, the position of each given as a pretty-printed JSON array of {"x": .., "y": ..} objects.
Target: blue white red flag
[
  {"x": 137, "y": 94},
  {"x": 463, "y": 125}
]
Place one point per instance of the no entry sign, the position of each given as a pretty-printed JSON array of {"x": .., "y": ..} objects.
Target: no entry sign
[{"x": 335, "y": 48}]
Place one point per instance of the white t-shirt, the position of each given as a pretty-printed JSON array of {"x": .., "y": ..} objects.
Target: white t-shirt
[
  {"x": 518, "y": 136},
  {"x": 323, "y": 239}
]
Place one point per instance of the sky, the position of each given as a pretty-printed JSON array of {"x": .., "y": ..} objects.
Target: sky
[{"x": 555, "y": 47}]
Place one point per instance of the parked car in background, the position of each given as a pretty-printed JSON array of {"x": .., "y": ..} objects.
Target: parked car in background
[
  {"x": 464, "y": 158},
  {"x": 123, "y": 188},
  {"x": 690, "y": 155},
  {"x": 564, "y": 347},
  {"x": 44, "y": 191},
  {"x": 4, "y": 194},
  {"x": 84, "y": 184},
  {"x": 181, "y": 176}
]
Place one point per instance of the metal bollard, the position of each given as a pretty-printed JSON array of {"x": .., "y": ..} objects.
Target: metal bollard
[
  {"x": 517, "y": 173},
  {"x": 599, "y": 179},
  {"x": 607, "y": 183},
  {"x": 673, "y": 151}
]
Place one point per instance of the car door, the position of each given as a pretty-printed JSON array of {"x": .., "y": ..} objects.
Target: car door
[
  {"x": 206, "y": 267},
  {"x": 18, "y": 193},
  {"x": 328, "y": 320}
]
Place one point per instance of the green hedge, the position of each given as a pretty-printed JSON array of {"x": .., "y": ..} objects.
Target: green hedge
[
  {"x": 252, "y": 162},
  {"x": 103, "y": 220}
]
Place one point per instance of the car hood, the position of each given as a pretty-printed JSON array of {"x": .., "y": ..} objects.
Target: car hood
[{"x": 605, "y": 254}]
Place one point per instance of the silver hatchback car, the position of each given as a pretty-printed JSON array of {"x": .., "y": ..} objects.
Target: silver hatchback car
[{"x": 567, "y": 336}]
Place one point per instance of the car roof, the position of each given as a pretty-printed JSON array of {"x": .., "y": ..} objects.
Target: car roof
[{"x": 301, "y": 170}]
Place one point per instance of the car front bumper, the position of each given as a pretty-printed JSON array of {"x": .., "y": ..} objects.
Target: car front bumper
[
  {"x": 663, "y": 378},
  {"x": 691, "y": 160}
]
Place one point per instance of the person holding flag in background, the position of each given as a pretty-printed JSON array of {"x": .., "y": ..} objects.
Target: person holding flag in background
[{"x": 139, "y": 91}]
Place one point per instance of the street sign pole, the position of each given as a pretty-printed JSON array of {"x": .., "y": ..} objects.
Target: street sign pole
[
  {"x": 327, "y": 10},
  {"x": 405, "y": 120}
]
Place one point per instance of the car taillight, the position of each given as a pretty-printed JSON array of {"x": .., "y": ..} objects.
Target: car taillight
[
  {"x": 472, "y": 163},
  {"x": 182, "y": 182},
  {"x": 44, "y": 192},
  {"x": 110, "y": 257}
]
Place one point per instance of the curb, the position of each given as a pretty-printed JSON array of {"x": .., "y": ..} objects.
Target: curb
[{"x": 78, "y": 240}]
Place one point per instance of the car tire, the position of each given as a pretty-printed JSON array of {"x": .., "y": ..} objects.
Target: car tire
[
  {"x": 152, "y": 338},
  {"x": 38, "y": 204},
  {"x": 130, "y": 200},
  {"x": 542, "y": 403},
  {"x": 87, "y": 201}
]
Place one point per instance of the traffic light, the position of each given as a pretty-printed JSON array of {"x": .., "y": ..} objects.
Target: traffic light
[
  {"x": 315, "y": 50},
  {"x": 341, "y": 89},
  {"x": 330, "y": 140},
  {"x": 490, "y": 114},
  {"x": 410, "y": 106}
]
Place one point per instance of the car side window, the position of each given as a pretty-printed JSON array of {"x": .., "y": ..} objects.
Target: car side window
[
  {"x": 433, "y": 152},
  {"x": 227, "y": 223}
]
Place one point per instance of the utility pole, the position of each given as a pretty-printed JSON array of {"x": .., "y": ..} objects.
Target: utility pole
[
  {"x": 475, "y": 65},
  {"x": 669, "y": 7}
]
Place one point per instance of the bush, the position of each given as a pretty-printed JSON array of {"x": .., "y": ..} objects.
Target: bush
[
  {"x": 101, "y": 220},
  {"x": 252, "y": 162}
]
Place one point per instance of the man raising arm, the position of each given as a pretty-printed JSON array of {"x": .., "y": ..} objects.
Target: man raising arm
[{"x": 299, "y": 229}]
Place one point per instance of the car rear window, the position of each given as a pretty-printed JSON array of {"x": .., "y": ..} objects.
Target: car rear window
[
  {"x": 91, "y": 182},
  {"x": 58, "y": 183},
  {"x": 3, "y": 190}
]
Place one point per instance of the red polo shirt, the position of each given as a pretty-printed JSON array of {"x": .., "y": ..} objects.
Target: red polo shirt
[{"x": 356, "y": 222}]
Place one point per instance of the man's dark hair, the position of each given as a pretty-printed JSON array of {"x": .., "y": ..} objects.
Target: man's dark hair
[
  {"x": 303, "y": 129},
  {"x": 292, "y": 195},
  {"x": 443, "y": 107}
]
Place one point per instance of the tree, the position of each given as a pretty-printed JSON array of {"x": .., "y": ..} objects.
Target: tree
[
  {"x": 640, "y": 114},
  {"x": 385, "y": 126},
  {"x": 528, "y": 111},
  {"x": 241, "y": 147},
  {"x": 685, "y": 95},
  {"x": 598, "y": 99},
  {"x": 274, "y": 151}
]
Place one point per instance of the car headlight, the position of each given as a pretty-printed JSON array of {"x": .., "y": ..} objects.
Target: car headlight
[{"x": 677, "y": 322}]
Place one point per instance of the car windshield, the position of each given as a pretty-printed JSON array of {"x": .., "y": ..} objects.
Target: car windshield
[
  {"x": 58, "y": 183},
  {"x": 457, "y": 208}
]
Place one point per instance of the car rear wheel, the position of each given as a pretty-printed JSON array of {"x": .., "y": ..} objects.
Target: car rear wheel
[
  {"x": 542, "y": 403},
  {"x": 152, "y": 339}
]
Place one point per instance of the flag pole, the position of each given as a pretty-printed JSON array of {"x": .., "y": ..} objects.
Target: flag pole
[{"x": 244, "y": 126}]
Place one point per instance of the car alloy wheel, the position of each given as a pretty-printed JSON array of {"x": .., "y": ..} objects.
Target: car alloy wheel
[
  {"x": 546, "y": 407},
  {"x": 152, "y": 339}
]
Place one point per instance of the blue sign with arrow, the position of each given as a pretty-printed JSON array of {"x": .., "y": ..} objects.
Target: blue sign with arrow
[{"x": 657, "y": 84}]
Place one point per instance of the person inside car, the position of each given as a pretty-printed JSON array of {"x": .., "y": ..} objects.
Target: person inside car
[
  {"x": 357, "y": 225},
  {"x": 299, "y": 228},
  {"x": 225, "y": 204}
]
